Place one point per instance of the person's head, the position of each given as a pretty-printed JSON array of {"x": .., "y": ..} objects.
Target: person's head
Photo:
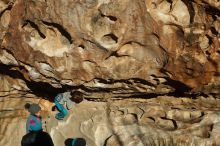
[
  {"x": 33, "y": 109},
  {"x": 77, "y": 96},
  {"x": 75, "y": 142}
]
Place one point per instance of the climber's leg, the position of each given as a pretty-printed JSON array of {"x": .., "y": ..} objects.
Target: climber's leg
[{"x": 62, "y": 111}]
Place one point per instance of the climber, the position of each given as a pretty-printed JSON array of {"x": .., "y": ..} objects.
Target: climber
[
  {"x": 34, "y": 122},
  {"x": 68, "y": 98},
  {"x": 75, "y": 142}
]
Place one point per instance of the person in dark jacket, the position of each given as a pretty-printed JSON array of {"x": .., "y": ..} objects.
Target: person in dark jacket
[{"x": 37, "y": 138}]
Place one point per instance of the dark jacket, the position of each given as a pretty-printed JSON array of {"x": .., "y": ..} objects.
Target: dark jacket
[{"x": 39, "y": 138}]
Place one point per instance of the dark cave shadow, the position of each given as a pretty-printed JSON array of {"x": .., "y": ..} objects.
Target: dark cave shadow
[{"x": 41, "y": 89}]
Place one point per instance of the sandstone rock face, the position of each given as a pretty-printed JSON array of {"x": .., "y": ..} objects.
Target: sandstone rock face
[
  {"x": 131, "y": 43},
  {"x": 156, "y": 51}
]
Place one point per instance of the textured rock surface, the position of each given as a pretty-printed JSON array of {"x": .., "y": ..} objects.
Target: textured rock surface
[
  {"x": 139, "y": 45},
  {"x": 163, "y": 53}
]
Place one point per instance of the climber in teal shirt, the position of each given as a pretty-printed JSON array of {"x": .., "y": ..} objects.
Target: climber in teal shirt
[
  {"x": 62, "y": 110},
  {"x": 69, "y": 99}
]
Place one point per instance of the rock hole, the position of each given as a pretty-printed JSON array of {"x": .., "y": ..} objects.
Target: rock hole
[
  {"x": 174, "y": 122},
  {"x": 212, "y": 10},
  {"x": 82, "y": 46},
  {"x": 110, "y": 39},
  {"x": 169, "y": 1},
  {"x": 211, "y": 127},
  {"x": 135, "y": 116},
  {"x": 151, "y": 118},
  {"x": 207, "y": 53},
  {"x": 156, "y": 80},
  {"x": 134, "y": 42},
  {"x": 101, "y": 13},
  {"x": 143, "y": 95},
  {"x": 214, "y": 17},
  {"x": 210, "y": 39},
  {"x": 180, "y": 87},
  {"x": 61, "y": 29},
  {"x": 213, "y": 30},
  {"x": 95, "y": 43},
  {"x": 33, "y": 25},
  {"x": 112, "y": 18},
  {"x": 202, "y": 114},
  {"x": 175, "y": 108},
  {"x": 218, "y": 52}
]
